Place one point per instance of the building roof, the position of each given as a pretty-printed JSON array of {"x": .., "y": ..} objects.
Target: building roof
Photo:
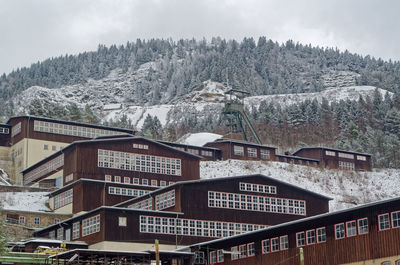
[
  {"x": 66, "y": 187},
  {"x": 96, "y": 140},
  {"x": 298, "y": 157},
  {"x": 5, "y": 125},
  {"x": 182, "y": 183},
  {"x": 332, "y": 149},
  {"x": 188, "y": 145},
  {"x": 299, "y": 221},
  {"x": 73, "y": 123},
  {"x": 106, "y": 208},
  {"x": 225, "y": 140}
]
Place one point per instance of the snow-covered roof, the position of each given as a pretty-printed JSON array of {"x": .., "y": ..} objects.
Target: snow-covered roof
[
  {"x": 25, "y": 201},
  {"x": 198, "y": 139}
]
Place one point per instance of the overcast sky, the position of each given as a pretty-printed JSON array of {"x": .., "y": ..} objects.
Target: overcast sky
[{"x": 36, "y": 30}]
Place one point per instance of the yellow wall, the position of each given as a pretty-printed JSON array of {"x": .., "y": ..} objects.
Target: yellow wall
[
  {"x": 379, "y": 261},
  {"x": 125, "y": 246},
  {"x": 32, "y": 152}
]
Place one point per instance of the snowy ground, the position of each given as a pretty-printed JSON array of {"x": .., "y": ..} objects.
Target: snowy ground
[
  {"x": 347, "y": 188},
  {"x": 24, "y": 201}
]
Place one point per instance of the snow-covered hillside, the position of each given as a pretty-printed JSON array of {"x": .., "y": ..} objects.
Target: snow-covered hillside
[{"x": 347, "y": 188}]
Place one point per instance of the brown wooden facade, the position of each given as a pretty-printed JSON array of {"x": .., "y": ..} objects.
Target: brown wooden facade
[
  {"x": 191, "y": 204},
  {"x": 228, "y": 146},
  {"x": 81, "y": 161},
  {"x": 88, "y": 194},
  {"x": 26, "y": 126},
  {"x": 365, "y": 247},
  {"x": 208, "y": 153},
  {"x": 5, "y": 135},
  {"x": 337, "y": 159},
  {"x": 296, "y": 160}
]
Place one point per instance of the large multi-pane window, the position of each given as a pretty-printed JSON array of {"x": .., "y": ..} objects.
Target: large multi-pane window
[
  {"x": 264, "y": 154},
  {"x": 91, "y": 225},
  {"x": 266, "y": 247},
  {"x": 251, "y": 152},
  {"x": 191, "y": 227},
  {"x": 16, "y": 129},
  {"x": 396, "y": 219},
  {"x": 275, "y": 244},
  {"x": 251, "y": 249},
  {"x": 75, "y": 230},
  {"x": 234, "y": 253},
  {"x": 199, "y": 257},
  {"x": 363, "y": 226},
  {"x": 60, "y": 233},
  {"x": 339, "y": 231},
  {"x": 351, "y": 228},
  {"x": 63, "y": 198},
  {"x": 330, "y": 153},
  {"x": 260, "y": 188},
  {"x": 238, "y": 150},
  {"x": 74, "y": 130},
  {"x": 144, "y": 205},
  {"x": 346, "y": 165},
  {"x": 284, "y": 242},
  {"x": 310, "y": 237},
  {"x": 139, "y": 162},
  {"x": 127, "y": 192},
  {"x": 255, "y": 203},
  {"x": 321, "y": 235},
  {"x": 346, "y": 155},
  {"x": 384, "y": 221},
  {"x": 44, "y": 169},
  {"x": 165, "y": 200}
]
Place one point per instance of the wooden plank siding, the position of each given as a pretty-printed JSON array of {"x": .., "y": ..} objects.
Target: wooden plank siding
[
  {"x": 375, "y": 244},
  {"x": 5, "y": 138},
  {"x": 297, "y": 160}
]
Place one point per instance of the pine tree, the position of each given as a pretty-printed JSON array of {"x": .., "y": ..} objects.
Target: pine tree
[
  {"x": 74, "y": 113},
  {"x": 89, "y": 116}
]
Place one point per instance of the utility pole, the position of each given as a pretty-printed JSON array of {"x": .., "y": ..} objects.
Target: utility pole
[
  {"x": 301, "y": 256},
  {"x": 157, "y": 252}
]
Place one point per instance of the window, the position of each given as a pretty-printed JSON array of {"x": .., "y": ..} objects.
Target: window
[
  {"x": 351, "y": 228},
  {"x": 154, "y": 182},
  {"x": 145, "y": 205},
  {"x": 386, "y": 263},
  {"x": 363, "y": 226},
  {"x": 16, "y": 129},
  {"x": 346, "y": 165},
  {"x": 145, "y": 182},
  {"x": 60, "y": 233},
  {"x": 321, "y": 235},
  {"x": 330, "y": 153},
  {"x": 36, "y": 220},
  {"x": 121, "y": 221},
  {"x": 206, "y": 153},
  {"x": 213, "y": 257},
  {"x": 52, "y": 234},
  {"x": 4, "y": 130},
  {"x": 398, "y": 262},
  {"x": 163, "y": 183},
  {"x": 346, "y": 155},
  {"x": 396, "y": 219},
  {"x": 275, "y": 244},
  {"x": 384, "y": 222},
  {"x": 117, "y": 179},
  {"x": 165, "y": 200},
  {"x": 301, "y": 239},
  {"x": 69, "y": 178},
  {"x": 127, "y": 180},
  {"x": 63, "y": 198},
  {"x": 22, "y": 219},
  {"x": 140, "y": 146},
  {"x": 53, "y": 148},
  {"x": 251, "y": 152},
  {"x": 242, "y": 251},
  {"x": 260, "y": 188},
  {"x": 46, "y": 147},
  {"x": 107, "y": 178},
  {"x": 199, "y": 257},
  {"x": 56, "y": 220},
  {"x": 284, "y": 242},
  {"x": 235, "y": 253},
  {"x": 266, "y": 248},
  {"x": 75, "y": 230},
  {"x": 220, "y": 255},
  {"x": 238, "y": 150},
  {"x": 339, "y": 231},
  {"x": 44, "y": 169},
  {"x": 91, "y": 225},
  {"x": 251, "y": 249},
  {"x": 310, "y": 237},
  {"x": 361, "y": 158},
  {"x": 193, "y": 151},
  {"x": 264, "y": 154}
]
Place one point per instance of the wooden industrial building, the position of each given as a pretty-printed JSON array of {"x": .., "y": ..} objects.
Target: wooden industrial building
[
  {"x": 367, "y": 234},
  {"x": 84, "y": 195},
  {"x": 189, "y": 212},
  {"x": 235, "y": 149},
  {"x": 30, "y": 139},
  {"x": 337, "y": 159},
  {"x": 125, "y": 159},
  {"x": 297, "y": 160},
  {"x": 208, "y": 153}
]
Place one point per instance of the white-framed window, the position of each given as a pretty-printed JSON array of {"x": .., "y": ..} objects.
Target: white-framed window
[
  {"x": 4, "y": 130},
  {"x": 300, "y": 239},
  {"x": 351, "y": 228},
  {"x": 138, "y": 162},
  {"x": 107, "y": 178},
  {"x": 383, "y": 222},
  {"x": 213, "y": 257},
  {"x": 346, "y": 155},
  {"x": 346, "y": 165},
  {"x": 46, "y": 147},
  {"x": 238, "y": 150},
  {"x": 251, "y": 249},
  {"x": 260, "y": 188},
  {"x": 264, "y": 154},
  {"x": 22, "y": 219},
  {"x": 339, "y": 231},
  {"x": 154, "y": 183},
  {"x": 242, "y": 251},
  {"x": 321, "y": 235},
  {"x": 363, "y": 226},
  {"x": 163, "y": 183},
  {"x": 91, "y": 225},
  {"x": 265, "y": 245},
  {"x": 36, "y": 220},
  {"x": 127, "y": 180},
  {"x": 145, "y": 182},
  {"x": 274, "y": 244},
  {"x": 398, "y": 262},
  {"x": 284, "y": 241},
  {"x": 69, "y": 178},
  {"x": 330, "y": 153},
  {"x": 145, "y": 204},
  {"x": 75, "y": 230},
  {"x": 234, "y": 253},
  {"x": 16, "y": 129},
  {"x": 136, "y": 181},
  {"x": 140, "y": 146},
  {"x": 251, "y": 152},
  {"x": 396, "y": 219},
  {"x": 310, "y": 237},
  {"x": 220, "y": 255},
  {"x": 199, "y": 257},
  {"x": 165, "y": 200},
  {"x": 63, "y": 198},
  {"x": 206, "y": 153},
  {"x": 44, "y": 169},
  {"x": 361, "y": 158},
  {"x": 60, "y": 233},
  {"x": 117, "y": 179},
  {"x": 122, "y": 221}
]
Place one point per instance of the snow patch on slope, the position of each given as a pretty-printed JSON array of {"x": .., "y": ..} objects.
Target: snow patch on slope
[
  {"x": 198, "y": 139},
  {"x": 347, "y": 188},
  {"x": 24, "y": 201}
]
